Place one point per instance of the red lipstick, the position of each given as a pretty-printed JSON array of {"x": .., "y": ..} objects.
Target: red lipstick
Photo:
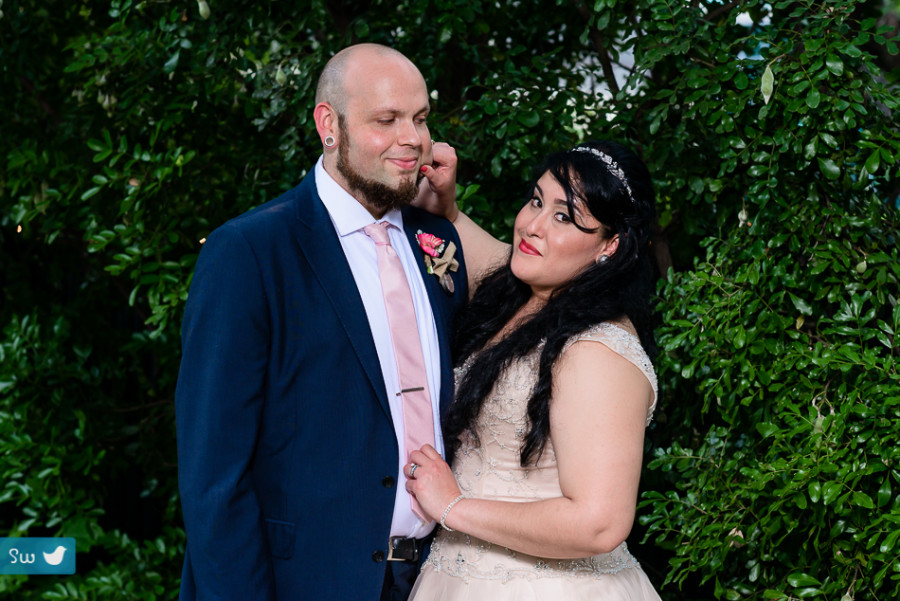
[{"x": 528, "y": 249}]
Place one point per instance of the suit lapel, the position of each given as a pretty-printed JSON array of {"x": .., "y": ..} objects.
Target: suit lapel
[
  {"x": 439, "y": 306},
  {"x": 320, "y": 245}
]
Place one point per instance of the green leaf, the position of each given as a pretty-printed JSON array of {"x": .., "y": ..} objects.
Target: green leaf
[
  {"x": 800, "y": 304},
  {"x": 808, "y": 592},
  {"x": 828, "y": 139},
  {"x": 834, "y": 64},
  {"x": 884, "y": 493},
  {"x": 829, "y": 168},
  {"x": 528, "y": 118},
  {"x": 890, "y": 541},
  {"x": 873, "y": 162},
  {"x": 91, "y": 192},
  {"x": 815, "y": 491},
  {"x": 862, "y": 499},
  {"x": 696, "y": 184},
  {"x": 768, "y": 84},
  {"x": 740, "y": 337},
  {"x": 361, "y": 29},
  {"x": 852, "y": 51},
  {"x": 831, "y": 492},
  {"x": 170, "y": 64},
  {"x": 813, "y": 98},
  {"x": 101, "y": 156},
  {"x": 809, "y": 151},
  {"x": 801, "y": 579},
  {"x": 496, "y": 165},
  {"x": 767, "y": 429}
]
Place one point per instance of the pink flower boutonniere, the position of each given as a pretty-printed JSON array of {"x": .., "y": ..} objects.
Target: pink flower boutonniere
[{"x": 439, "y": 258}]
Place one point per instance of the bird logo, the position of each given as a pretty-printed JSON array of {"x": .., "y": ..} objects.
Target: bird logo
[{"x": 55, "y": 558}]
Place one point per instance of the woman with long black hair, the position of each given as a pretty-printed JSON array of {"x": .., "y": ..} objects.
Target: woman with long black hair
[{"x": 555, "y": 387}]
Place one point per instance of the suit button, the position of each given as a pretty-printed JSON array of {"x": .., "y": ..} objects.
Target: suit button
[
  {"x": 378, "y": 556},
  {"x": 388, "y": 482}
]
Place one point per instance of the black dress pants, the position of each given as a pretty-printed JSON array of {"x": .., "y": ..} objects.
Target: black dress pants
[{"x": 400, "y": 576}]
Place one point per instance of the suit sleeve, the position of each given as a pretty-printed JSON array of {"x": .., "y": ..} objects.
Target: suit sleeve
[{"x": 218, "y": 406}]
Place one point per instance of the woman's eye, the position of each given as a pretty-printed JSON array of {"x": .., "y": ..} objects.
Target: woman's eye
[
  {"x": 563, "y": 218},
  {"x": 536, "y": 202}
]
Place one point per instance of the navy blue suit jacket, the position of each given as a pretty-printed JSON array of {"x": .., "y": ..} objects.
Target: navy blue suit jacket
[{"x": 287, "y": 455}]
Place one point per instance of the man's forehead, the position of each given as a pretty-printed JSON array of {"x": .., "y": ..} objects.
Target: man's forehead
[
  {"x": 399, "y": 95},
  {"x": 397, "y": 109}
]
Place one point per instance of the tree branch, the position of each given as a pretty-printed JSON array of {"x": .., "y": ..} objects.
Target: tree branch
[
  {"x": 711, "y": 17},
  {"x": 598, "y": 40}
]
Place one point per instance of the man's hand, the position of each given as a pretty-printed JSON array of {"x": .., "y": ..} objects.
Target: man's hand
[{"x": 437, "y": 190}]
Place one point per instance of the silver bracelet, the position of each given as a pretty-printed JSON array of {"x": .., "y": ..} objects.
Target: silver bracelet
[{"x": 446, "y": 511}]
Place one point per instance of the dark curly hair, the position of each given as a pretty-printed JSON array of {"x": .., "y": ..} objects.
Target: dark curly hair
[{"x": 620, "y": 286}]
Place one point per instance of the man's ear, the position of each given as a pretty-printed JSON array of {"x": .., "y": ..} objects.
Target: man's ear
[{"x": 326, "y": 121}]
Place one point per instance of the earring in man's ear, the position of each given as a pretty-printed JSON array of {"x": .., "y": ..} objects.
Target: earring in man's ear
[
  {"x": 329, "y": 141},
  {"x": 602, "y": 259}
]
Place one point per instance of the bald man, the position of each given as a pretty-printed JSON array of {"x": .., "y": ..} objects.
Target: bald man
[{"x": 289, "y": 418}]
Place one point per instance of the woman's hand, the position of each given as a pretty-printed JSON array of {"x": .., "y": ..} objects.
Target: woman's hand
[
  {"x": 437, "y": 190},
  {"x": 432, "y": 481}
]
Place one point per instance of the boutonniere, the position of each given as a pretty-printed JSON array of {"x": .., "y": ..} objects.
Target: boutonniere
[{"x": 439, "y": 258}]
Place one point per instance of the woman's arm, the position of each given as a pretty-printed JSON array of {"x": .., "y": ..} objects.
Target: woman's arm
[
  {"x": 437, "y": 195},
  {"x": 597, "y": 419}
]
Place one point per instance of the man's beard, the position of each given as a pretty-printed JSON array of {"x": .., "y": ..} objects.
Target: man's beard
[{"x": 375, "y": 194}]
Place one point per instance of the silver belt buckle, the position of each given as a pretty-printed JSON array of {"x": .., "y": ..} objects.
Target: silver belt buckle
[{"x": 401, "y": 548}]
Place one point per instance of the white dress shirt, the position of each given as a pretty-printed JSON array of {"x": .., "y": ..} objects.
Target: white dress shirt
[{"x": 349, "y": 218}]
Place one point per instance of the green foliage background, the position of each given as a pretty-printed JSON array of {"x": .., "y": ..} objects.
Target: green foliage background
[{"x": 130, "y": 129}]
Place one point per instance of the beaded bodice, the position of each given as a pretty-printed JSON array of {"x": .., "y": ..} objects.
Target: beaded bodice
[{"x": 488, "y": 468}]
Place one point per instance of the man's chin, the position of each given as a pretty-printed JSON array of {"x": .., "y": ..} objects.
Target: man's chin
[
  {"x": 386, "y": 197},
  {"x": 401, "y": 191}
]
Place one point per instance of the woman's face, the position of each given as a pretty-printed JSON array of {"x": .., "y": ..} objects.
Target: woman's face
[{"x": 548, "y": 250}]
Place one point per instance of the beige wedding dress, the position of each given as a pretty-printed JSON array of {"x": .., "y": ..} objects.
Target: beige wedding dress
[{"x": 463, "y": 568}]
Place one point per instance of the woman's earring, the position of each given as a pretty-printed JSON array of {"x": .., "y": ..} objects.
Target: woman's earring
[
  {"x": 602, "y": 259},
  {"x": 329, "y": 141}
]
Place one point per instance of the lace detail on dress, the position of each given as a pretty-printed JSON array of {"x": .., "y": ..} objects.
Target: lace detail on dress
[
  {"x": 491, "y": 562},
  {"x": 487, "y": 467},
  {"x": 492, "y": 462}
]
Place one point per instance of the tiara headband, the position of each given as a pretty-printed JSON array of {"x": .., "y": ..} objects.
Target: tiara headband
[{"x": 610, "y": 164}]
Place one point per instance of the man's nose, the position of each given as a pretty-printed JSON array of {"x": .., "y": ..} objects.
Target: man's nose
[{"x": 409, "y": 134}]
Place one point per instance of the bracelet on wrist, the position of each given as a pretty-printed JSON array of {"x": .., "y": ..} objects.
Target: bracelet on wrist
[{"x": 446, "y": 511}]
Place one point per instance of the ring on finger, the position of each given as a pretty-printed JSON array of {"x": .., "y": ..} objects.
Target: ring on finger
[{"x": 412, "y": 470}]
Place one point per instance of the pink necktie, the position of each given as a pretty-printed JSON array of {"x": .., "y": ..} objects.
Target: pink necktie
[{"x": 418, "y": 422}]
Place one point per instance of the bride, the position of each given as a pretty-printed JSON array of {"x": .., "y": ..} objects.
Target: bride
[{"x": 554, "y": 388}]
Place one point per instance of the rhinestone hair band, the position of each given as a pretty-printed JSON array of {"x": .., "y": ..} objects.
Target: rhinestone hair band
[{"x": 610, "y": 164}]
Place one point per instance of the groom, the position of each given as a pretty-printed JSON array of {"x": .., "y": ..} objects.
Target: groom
[{"x": 291, "y": 431}]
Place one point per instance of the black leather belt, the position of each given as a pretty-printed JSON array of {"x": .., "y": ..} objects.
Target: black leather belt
[{"x": 401, "y": 548}]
